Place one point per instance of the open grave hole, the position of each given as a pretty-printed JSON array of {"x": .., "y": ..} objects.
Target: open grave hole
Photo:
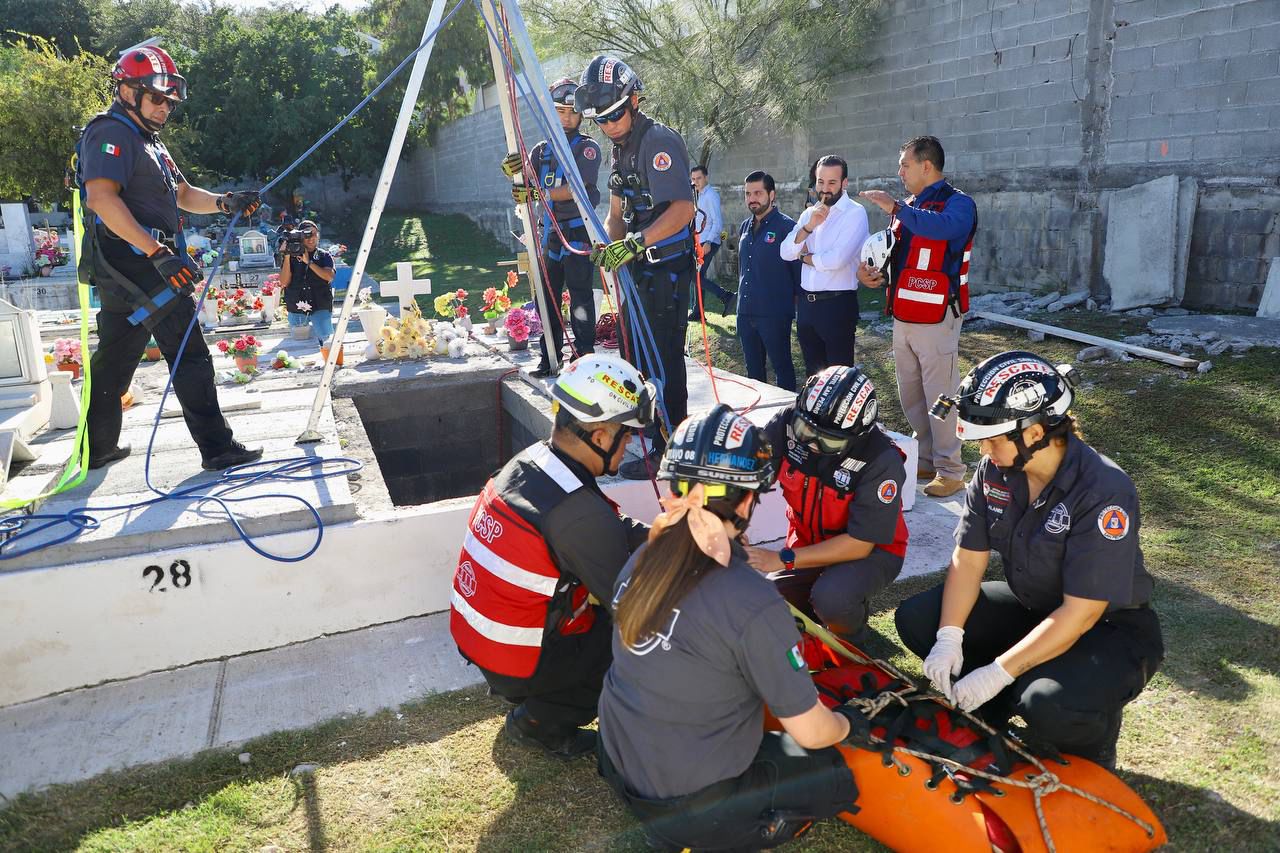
[{"x": 441, "y": 436}]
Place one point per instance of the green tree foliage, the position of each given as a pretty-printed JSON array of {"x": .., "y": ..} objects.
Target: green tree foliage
[
  {"x": 714, "y": 67},
  {"x": 460, "y": 53},
  {"x": 43, "y": 96},
  {"x": 264, "y": 87},
  {"x": 72, "y": 25},
  {"x": 125, "y": 23}
]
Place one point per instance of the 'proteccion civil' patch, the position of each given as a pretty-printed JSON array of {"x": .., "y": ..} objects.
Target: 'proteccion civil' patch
[
  {"x": 887, "y": 491},
  {"x": 1114, "y": 522},
  {"x": 589, "y": 152},
  {"x": 661, "y": 161}
]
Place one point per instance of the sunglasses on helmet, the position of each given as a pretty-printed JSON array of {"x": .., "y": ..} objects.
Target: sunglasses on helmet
[{"x": 808, "y": 432}]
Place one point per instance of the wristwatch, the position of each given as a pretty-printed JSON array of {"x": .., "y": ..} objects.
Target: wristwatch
[{"x": 788, "y": 558}]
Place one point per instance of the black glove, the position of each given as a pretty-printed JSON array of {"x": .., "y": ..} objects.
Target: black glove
[
  {"x": 859, "y": 725},
  {"x": 179, "y": 271},
  {"x": 244, "y": 202}
]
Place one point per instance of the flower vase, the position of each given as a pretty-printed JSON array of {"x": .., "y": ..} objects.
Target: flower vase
[
  {"x": 514, "y": 345},
  {"x": 46, "y": 271},
  {"x": 70, "y": 366},
  {"x": 490, "y": 328},
  {"x": 300, "y": 333},
  {"x": 65, "y": 403},
  {"x": 153, "y": 353},
  {"x": 247, "y": 363},
  {"x": 462, "y": 324},
  {"x": 324, "y": 354},
  {"x": 372, "y": 320}
]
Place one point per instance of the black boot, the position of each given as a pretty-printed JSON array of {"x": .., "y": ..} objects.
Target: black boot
[
  {"x": 236, "y": 454},
  {"x": 524, "y": 730},
  {"x": 96, "y": 462}
]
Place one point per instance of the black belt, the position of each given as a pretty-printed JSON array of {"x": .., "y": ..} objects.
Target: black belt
[{"x": 818, "y": 296}]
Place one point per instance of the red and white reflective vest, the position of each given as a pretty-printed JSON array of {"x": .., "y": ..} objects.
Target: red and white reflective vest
[
  {"x": 818, "y": 510},
  {"x": 508, "y": 591},
  {"x": 921, "y": 291}
]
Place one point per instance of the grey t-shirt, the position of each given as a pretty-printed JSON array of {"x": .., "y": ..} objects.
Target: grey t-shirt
[{"x": 685, "y": 709}]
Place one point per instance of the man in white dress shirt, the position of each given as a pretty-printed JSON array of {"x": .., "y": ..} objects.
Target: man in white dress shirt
[{"x": 827, "y": 239}]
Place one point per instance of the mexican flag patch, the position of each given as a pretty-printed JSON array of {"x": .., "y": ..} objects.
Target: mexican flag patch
[
  {"x": 795, "y": 658},
  {"x": 113, "y": 150}
]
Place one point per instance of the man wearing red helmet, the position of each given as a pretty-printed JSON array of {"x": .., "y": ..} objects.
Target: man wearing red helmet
[
  {"x": 565, "y": 241},
  {"x": 135, "y": 254}
]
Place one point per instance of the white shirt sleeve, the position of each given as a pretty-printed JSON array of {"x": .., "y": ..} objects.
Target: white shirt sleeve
[
  {"x": 841, "y": 248},
  {"x": 790, "y": 249}
]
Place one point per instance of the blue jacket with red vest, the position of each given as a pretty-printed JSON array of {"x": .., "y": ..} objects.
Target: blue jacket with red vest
[
  {"x": 930, "y": 261},
  {"x": 858, "y": 493},
  {"x": 526, "y": 569}
]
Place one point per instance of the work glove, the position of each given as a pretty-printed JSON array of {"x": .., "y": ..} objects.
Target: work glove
[
  {"x": 512, "y": 165},
  {"x": 859, "y": 725},
  {"x": 613, "y": 255},
  {"x": 981, "y": 686},
  {"x": 524, "y": 195},
  {"x": 178, "y": 271},
  {"x": 945, "y": 659},
  {"x": 244, "y": 202}
]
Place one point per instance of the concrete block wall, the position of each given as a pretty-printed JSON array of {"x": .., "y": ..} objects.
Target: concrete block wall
[{"x": 1043, "y": 107}]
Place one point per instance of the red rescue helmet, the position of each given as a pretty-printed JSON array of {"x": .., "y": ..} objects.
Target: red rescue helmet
[{"x": 151, "y": 69}]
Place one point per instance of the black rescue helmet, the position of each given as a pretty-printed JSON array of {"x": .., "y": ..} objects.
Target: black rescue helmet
[
  {"x": 562, "y": 91},
  {"x": 839, "y": 400},
  {"x": 605, "y": 86},
  {"x": 720, "y": 448},
  {"x": 1009, "y": 392}
]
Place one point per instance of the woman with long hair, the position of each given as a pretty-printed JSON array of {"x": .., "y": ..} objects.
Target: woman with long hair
[
  {"x": 702, "y": 644},
  {"x": 1069, "y": 637}
]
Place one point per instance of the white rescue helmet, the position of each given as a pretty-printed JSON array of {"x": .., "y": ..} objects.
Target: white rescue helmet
[
  {"x": 877, "y": 249},
  {"x": 1009, "y": 392},
  {"x": 605, "y": 389}
]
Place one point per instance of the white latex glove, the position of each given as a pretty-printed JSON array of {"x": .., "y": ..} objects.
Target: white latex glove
[
  {"x": 980, "y": 686},
  {"x": 945, "y": 659}
]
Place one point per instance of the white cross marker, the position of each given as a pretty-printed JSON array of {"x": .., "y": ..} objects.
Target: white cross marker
[{"x": 405, "y": 287}]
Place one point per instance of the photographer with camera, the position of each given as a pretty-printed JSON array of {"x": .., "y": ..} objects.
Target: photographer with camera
[{"x": 307, "y": 277}]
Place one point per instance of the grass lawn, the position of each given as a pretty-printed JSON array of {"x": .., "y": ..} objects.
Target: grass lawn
[
  {"x": 449, "y": 250},
  {"x": 1201, "y": 744}
]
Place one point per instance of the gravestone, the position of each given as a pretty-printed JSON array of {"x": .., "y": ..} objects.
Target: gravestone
[
  {"x": 1141, "y": 250},
  {"x": 1269, "y": 305},
  {"x": 254, "y": 251},
  {"x": 16, "y": 249},
  {"x": 26, "y": 396},
  {"x": 405, "y": 287}
]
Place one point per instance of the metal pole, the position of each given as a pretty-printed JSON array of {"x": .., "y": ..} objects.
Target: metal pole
[
  {"x": 489, "y": 9},
  {"x": 407, "y": 106}
]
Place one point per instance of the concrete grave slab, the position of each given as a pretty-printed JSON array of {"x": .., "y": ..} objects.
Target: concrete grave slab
[
  {"x": 1269, "y": 305},
  {"x": 360, "y": 672},
  {"x": 1261, "y": 331},
  {"x": 77, "y": 735},
  {"x": 1141, "y": 248},
  {"x": 1188, "y": 197}
]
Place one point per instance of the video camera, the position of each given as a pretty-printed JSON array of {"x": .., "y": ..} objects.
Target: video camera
[{"x": 293, "y": 240}]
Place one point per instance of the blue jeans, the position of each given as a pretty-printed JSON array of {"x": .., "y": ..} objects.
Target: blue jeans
[
  {"x": 708, "y": 286},
  {"x": 321, "y": 322},
  {"x": 771, "y": 336}
]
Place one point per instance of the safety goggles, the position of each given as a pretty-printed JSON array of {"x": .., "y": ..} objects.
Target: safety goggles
[
  {"x": 170, "y": 87},
  {"x": 610, "y": 118},
  {"x": 808, "y": 432},
  {"x": 710, "y": 490}
]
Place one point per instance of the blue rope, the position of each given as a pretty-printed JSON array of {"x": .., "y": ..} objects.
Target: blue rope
[{"x": 14, "y": 529}]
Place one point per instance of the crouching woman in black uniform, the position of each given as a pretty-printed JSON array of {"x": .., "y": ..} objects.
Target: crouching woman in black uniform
[
  {"x": 702, "y": 644},
  {"x": 1069, "y": 637}
]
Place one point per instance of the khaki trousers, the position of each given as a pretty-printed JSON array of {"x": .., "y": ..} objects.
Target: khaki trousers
[{"x": 927, "y": 364}]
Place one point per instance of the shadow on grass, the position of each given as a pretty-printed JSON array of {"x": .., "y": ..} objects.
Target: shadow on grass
[
  {"x": 64, "y": 816},
  {"x": 1204, "y": 821}
]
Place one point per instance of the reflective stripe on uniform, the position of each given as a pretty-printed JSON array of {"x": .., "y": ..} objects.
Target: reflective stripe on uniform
[
  {"x": 510, "y": 635},
  {"x": 506, "y": 570},
  {"x": 541, "y": 455},
  {"x": 917, "y": 296}
]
